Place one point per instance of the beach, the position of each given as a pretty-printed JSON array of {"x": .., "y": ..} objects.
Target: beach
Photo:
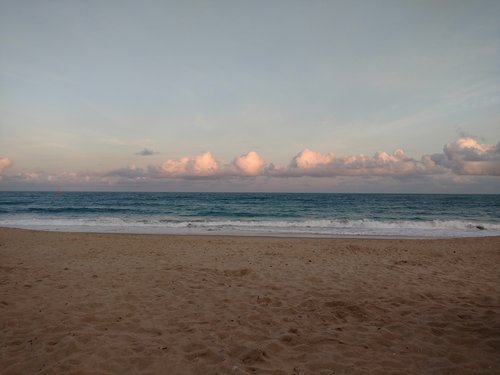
[{"x": 90, "y": 303}]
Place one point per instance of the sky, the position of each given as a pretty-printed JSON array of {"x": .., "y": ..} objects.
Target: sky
[{"x": 293, "y": 96}]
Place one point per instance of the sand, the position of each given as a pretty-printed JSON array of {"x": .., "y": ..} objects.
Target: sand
[{"x": 80, "y": 303}]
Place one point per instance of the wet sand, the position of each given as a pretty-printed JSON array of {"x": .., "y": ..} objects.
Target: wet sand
[{"x": 81, "y": 303}]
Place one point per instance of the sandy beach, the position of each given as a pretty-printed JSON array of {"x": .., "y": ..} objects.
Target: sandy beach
[{"x": 81, "y": 303}]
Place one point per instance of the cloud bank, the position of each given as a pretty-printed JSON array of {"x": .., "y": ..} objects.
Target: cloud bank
[
  {"x": 313, "y": 164},
  {"x": 465, "y": 156},
  {"x": 458, "y": 162}
]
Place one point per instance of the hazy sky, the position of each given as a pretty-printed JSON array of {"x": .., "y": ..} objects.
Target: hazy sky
[{"x": 389, "y": 96}]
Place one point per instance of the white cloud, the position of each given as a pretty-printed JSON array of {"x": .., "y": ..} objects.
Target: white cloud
[{"x": 250, "y": 164}]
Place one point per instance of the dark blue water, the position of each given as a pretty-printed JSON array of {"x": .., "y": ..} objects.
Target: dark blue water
[{"x": 255, "y": 213}]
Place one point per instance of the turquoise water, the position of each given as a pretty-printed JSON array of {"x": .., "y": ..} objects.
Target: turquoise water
[{"x": 255, "y": 213}]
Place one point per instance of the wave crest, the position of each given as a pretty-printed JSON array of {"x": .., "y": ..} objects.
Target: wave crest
[{"x": 322, "y": 227}]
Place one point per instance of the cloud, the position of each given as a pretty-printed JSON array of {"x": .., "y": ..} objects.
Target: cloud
[
  {"x": 130, "y": 172},
  {"x": 308, "y": 159},
  {"x": 203, "y": 165},
  {"x": 146, "y": 152},
  {"x": 314, "y": 164},
  {"x": 250, "y": 164},
  {"x": 4, "y": 164},
  {"x": 466, "y": 156},
  {"x": 44, "y": 178},
  {"x": 464, "y": 161}
]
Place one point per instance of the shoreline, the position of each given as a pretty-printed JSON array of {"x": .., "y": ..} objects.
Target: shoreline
[
  {"x": 258, "y": 235},
  {"x": 83, "y": 303}
]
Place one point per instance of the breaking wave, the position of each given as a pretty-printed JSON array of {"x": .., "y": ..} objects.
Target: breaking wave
[{"x": 322, "y": 227}]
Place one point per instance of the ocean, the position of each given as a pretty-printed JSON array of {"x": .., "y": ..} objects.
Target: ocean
[{"x": 400, "y": 215}]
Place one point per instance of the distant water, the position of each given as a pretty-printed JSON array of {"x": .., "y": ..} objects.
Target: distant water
[{"x": 426, "y": 215}]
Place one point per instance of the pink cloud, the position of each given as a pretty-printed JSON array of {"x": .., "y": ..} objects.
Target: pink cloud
[
  {"x": 461, "y": 158},
  {"x": 466, "y": 156},
  {"x": 310, "y": 159},
  {"x": 468, "y": 145},
  {"x": 201, "y": 165},
  {"x": 250, "y": 164},
  {"x": 314, "y": 164}
]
